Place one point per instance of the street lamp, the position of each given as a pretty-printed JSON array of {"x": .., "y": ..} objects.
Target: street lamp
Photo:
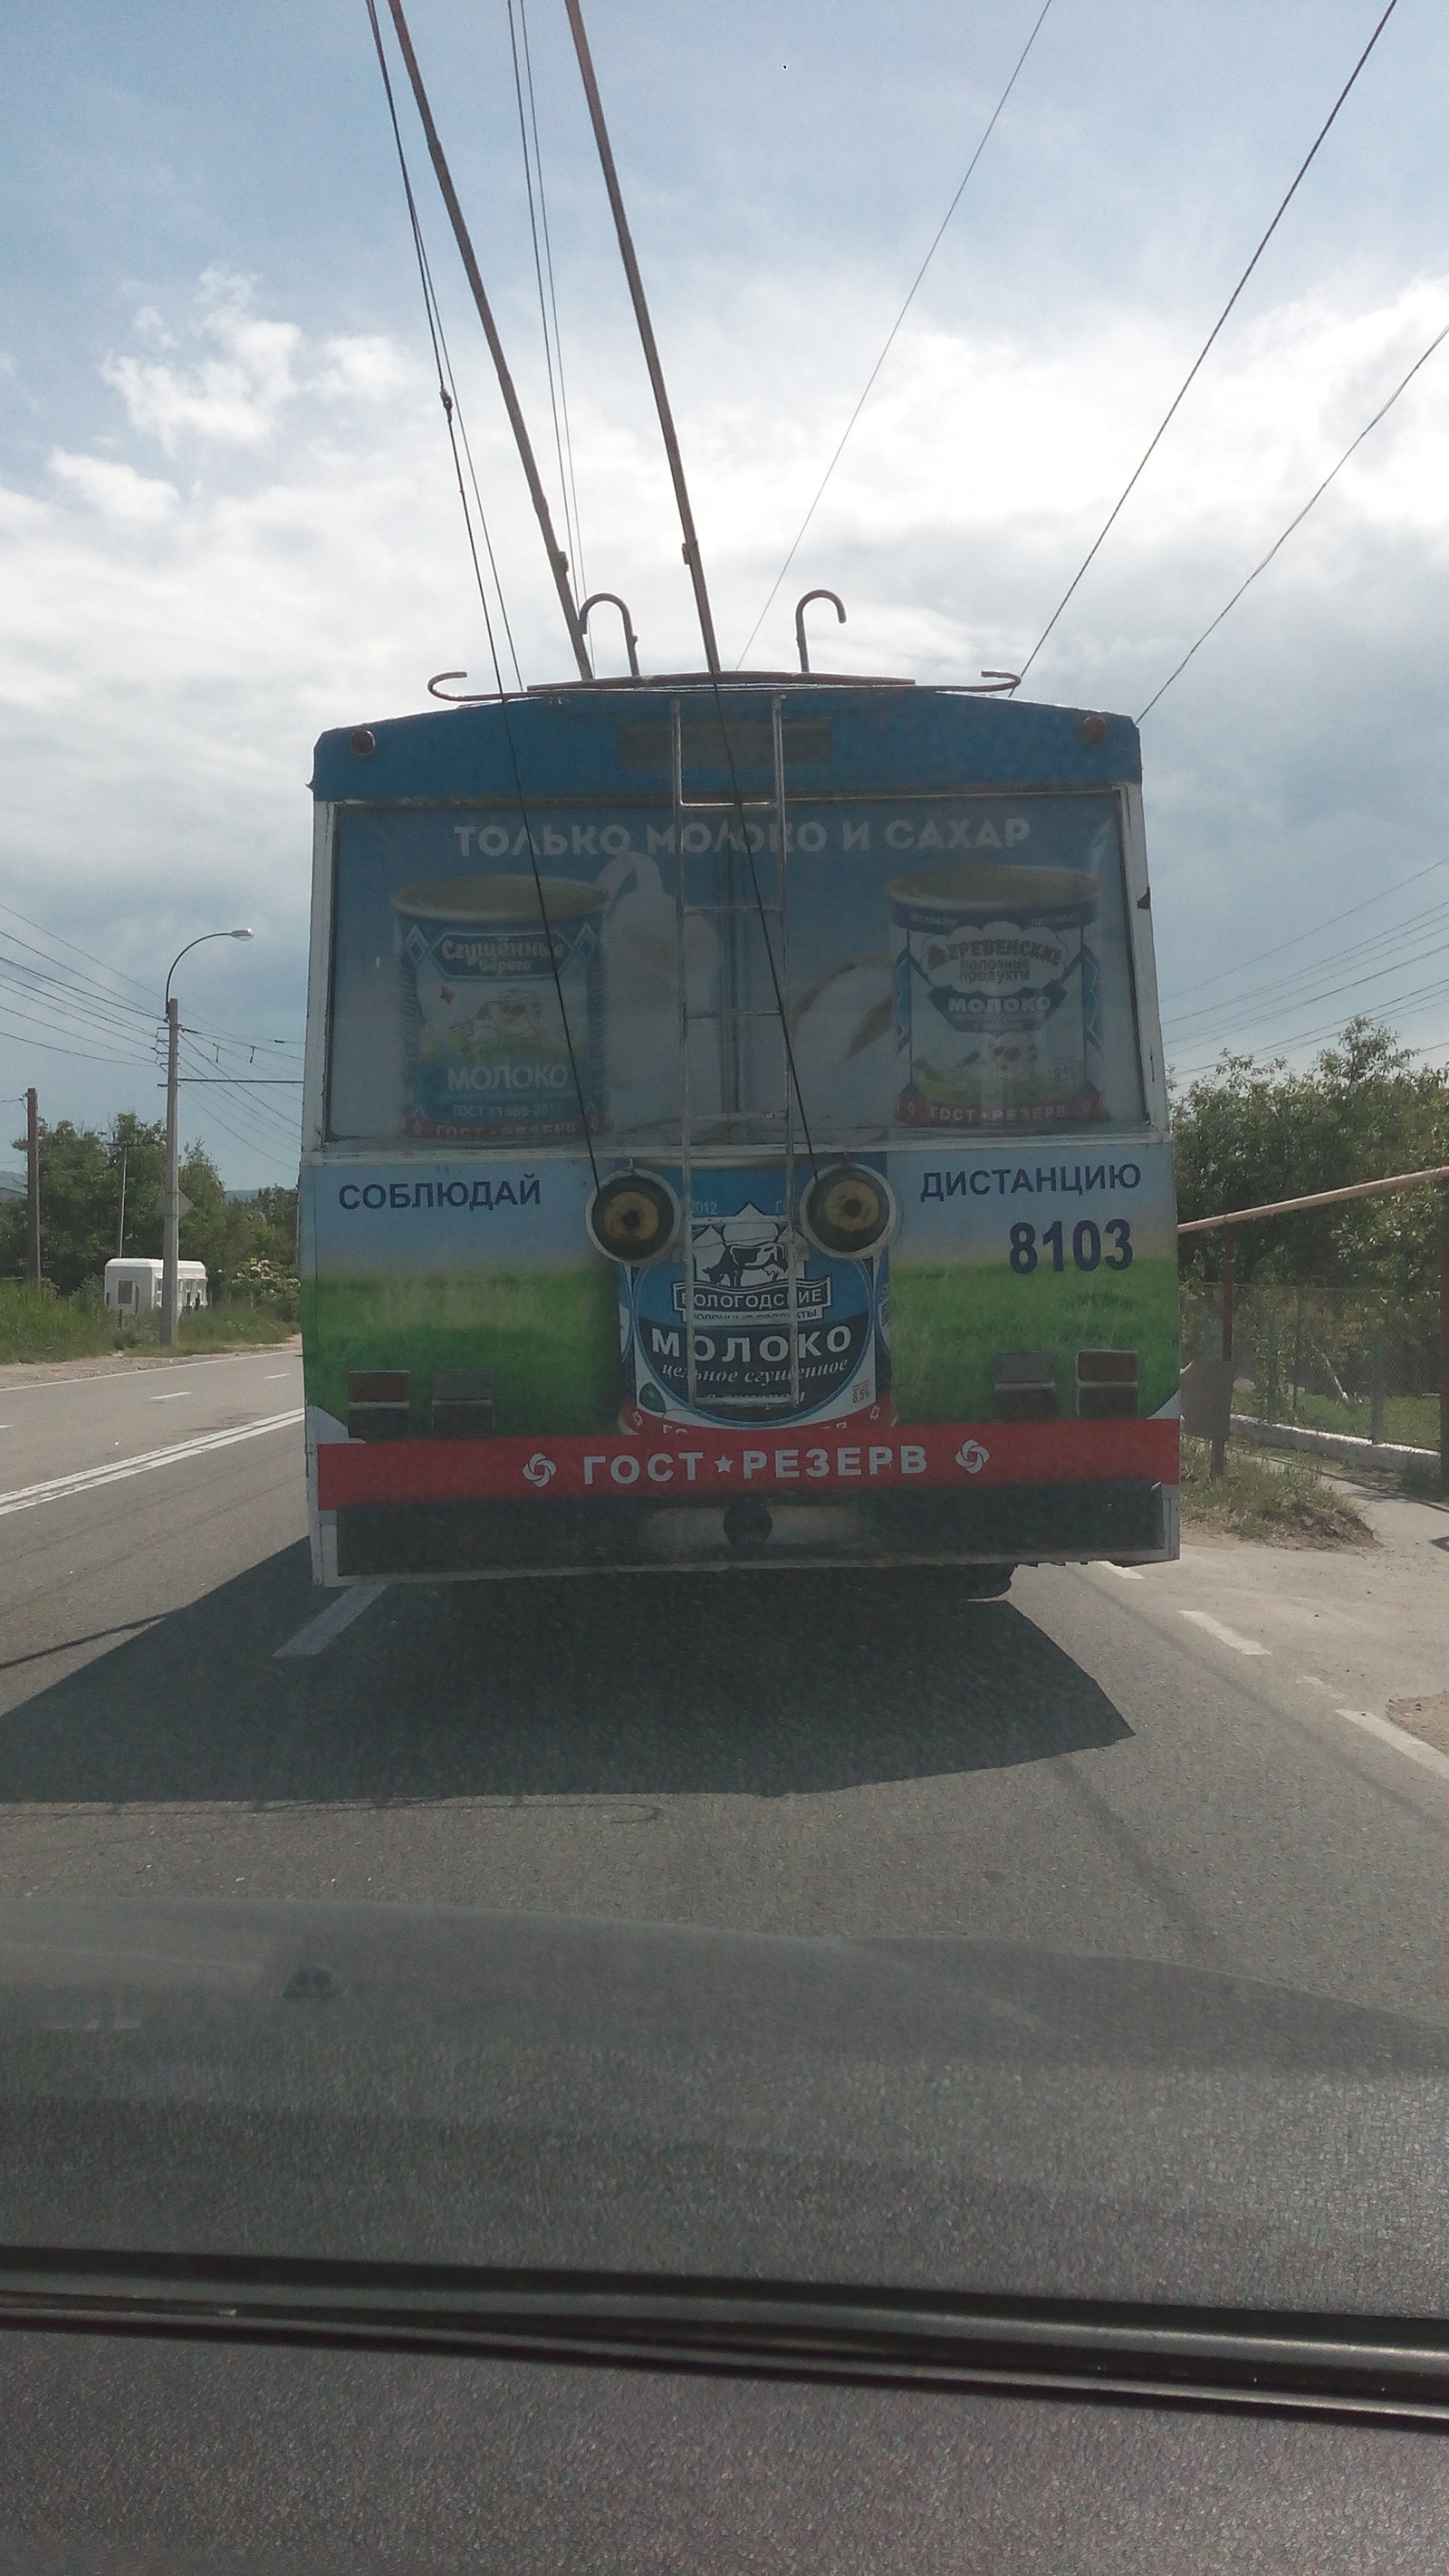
[{"x": 171, "y": 1202}]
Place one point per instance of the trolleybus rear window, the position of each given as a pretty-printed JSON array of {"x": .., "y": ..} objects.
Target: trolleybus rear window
[{"x": 949, "y": 965}]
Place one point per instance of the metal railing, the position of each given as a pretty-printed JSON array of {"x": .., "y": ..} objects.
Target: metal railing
[{"x": 1334, "y": 1359}]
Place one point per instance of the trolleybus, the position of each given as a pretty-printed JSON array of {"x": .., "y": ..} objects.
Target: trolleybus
[{"x": 735, "y": 1133}]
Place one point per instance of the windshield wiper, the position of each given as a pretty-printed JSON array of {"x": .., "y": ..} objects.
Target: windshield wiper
[{"x": 1391, "y": 2369}]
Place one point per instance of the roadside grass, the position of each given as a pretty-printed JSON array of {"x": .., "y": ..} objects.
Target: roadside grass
[
  {"x": 37, "y": 1326},
  {"x": 1412, "y": 1419},
  {"x": 1287, "y": 1505}
]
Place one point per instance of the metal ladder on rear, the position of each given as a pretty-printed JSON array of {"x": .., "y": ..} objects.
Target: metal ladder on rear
[{"x": 742, "y": 903}]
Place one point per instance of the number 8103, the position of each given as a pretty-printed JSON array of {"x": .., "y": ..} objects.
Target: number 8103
[{"x": 1086, "y": 1246}]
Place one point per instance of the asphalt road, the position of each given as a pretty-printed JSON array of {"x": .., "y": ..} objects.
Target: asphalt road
[{"x": 1199, "y": 1764}]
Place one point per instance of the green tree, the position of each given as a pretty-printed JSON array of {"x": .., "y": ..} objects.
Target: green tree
[
  {"x": 1253, "y": 1132},
  {"x": 80, "y": 1200}
]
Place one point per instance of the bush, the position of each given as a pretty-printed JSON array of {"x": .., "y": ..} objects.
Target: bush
[{"x": 1289, "y": 1504}]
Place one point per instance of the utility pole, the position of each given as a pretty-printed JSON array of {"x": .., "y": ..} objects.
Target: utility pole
[
  {"x": 121, "y": 1219},
  {"x": 32, "y": 1182},
  {"x": 171, "y": 1196},
  {"x": 1444, "y": 1341},
  {"x": 173, "y": 1206}
]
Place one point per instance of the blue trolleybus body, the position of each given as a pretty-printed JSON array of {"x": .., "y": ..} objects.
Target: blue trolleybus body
[{"x": 735, "y": 1133}]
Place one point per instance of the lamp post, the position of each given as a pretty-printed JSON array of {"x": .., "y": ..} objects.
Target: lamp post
[{"x": 171, "y": 1201}]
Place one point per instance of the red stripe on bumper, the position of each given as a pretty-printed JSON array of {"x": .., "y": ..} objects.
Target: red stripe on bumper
[{"x": 692, "y": 1465}]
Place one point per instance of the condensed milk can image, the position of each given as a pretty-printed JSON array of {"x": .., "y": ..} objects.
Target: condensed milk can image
[
  {"x": 742, "y": 1266},
  {"x": 996, "y": 997},
  {"x": 485, "y": 1050}
]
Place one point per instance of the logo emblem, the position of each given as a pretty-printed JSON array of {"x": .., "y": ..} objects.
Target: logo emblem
[
  {"x": 540, "y": 1471},
  {"x": 970, "y": 1455}
]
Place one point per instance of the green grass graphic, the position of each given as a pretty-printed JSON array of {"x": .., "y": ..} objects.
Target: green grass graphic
[
  {"x": 948, "y": 1323},
  {"x": 551, "y": 1339}
]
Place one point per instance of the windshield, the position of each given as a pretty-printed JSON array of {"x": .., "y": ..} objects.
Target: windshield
[{"x": 722, "y": 1373}]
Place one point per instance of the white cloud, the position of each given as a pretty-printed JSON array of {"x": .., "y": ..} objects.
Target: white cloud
[
  {"x": 368, "y": 365},
  {"x": 235, "y": 400},
  {"x": 117, "y": 491},
  {"x": 157, "y": 741}
]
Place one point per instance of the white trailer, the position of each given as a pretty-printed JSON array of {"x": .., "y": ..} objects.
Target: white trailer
[{"x": 133, "y": 1288}]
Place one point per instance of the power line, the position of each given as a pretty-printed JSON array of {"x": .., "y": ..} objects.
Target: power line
[
  {"x": 266, "y": 1111},
  {"x": 1334, "y": 918},
  {"x": 59, "y": 1006},
  {"x": 1331, "y": 992},
  {"x": 1424, "y": 997},
  {"x": 83, "y": 990},
  {"x": 59, "y": 941},
  {"x": 49, "y": 1046},
  {"x": 889, "y": 341},
  {"x": 1403, "y": 384},
  {"x": 1435, "y": 917},
  {"x": 1160, "y": 432}
]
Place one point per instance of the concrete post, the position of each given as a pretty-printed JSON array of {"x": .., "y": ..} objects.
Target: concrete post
[
  {"x": 170, "y": 1203},
  {"x": 32, "y": 1184}
]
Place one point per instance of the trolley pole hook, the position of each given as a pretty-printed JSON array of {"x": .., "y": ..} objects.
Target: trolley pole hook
[
  {"x": 453, "y": 698},
  {"x": 800, "y": 607},
  {"x": 631, "y": 640}
]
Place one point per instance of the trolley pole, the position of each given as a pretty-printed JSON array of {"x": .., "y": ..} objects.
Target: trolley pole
[
  {"x": 32, "y": 1183},
  {"x": 170, "y": 1203}
]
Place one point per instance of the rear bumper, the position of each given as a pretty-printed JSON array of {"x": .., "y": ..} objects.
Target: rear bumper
[{"x": 993, "y": 1525}]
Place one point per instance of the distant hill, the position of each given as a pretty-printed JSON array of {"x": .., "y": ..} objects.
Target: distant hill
[{"x": 12, "y": 1183}]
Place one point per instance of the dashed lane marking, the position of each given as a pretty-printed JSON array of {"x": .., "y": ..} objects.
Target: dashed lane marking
[
  {"x": 1128, "y": 1573},
  {"x": 56, "y": 1488},
  {"x": 1225, "y": 1635},
  {"x": 340, "y": 1612},
  {"x": 1398, "y": 1736}
]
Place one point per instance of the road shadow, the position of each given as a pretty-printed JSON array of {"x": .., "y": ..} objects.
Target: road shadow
[{"x": 758, "y": 1685}]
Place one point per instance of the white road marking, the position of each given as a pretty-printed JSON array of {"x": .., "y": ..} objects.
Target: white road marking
[
  {"x": 1129, "y": 1573},
  {"x": 1402, "y": 1742},
  {"x": 147, "y": 1368},
  {"x": 329, "y": 1623},
  {"x": 1226, "y": 1636},
  {"x": 178, "y": 1395},
  {"x": 273, "y": 1374},
  {"x": 25, "y": 1497},
  {"x": 1311, "y": 1681}
]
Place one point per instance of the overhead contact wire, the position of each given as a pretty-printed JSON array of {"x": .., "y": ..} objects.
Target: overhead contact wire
[
  {"x": 447, "y": 390},
  {"x": 563, "y": 396},
  {"x": 1188, "y": 380},
  {"x": 890, "y": 338},
  {"x": 488, "y": 623},
  {"x": 692, "y": 555},
  {"x": 558, "y": 562},
  {"x": 533, "y": 166},
  {"x": 1315, "y": 497}
]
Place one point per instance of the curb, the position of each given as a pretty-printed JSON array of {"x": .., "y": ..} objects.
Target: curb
[{"x": 1344, "y": 1445}]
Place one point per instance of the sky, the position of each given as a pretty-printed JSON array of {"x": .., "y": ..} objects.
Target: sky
[{"x": 228, "y": 522}]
